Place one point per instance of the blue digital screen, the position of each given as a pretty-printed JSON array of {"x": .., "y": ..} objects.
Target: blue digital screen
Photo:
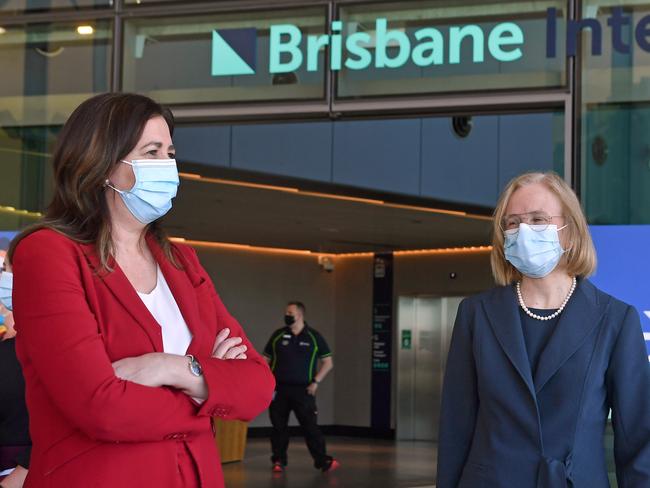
[{"x": 624, "y": 267}]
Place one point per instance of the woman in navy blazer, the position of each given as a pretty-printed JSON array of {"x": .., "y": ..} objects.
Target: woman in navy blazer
[{"x": 536, "y": 364}]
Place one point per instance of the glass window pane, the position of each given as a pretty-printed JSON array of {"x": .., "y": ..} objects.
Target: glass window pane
[
  {"x": 25, "y": 173},
  {"x": 152, "y": 2},
  {"x": 217, "y": 58},
  {"x": 19, "y": 6},
  {"x": 449, "y": 46},
  {"x": 53, "y": 69},
  {"x": 616, "y": 111}
]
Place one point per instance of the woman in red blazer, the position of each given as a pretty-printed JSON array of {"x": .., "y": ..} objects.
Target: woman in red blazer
[{"x": 126, "y": 348}]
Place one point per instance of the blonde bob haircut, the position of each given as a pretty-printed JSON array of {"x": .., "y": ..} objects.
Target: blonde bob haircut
[{"x": 579, "y": 260}]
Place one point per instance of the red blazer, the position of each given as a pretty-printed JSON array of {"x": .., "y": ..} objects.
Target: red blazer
[{"x": 90, "y": 428}]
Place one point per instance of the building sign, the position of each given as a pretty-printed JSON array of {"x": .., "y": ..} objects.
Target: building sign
[
  {"x": 380, "y": 47},
  {"x": 624, "y": 267},
  {"x": 618, "y": 22},
  {"x": 425, "y": 48},
  {"x": 233, "y": 50}
]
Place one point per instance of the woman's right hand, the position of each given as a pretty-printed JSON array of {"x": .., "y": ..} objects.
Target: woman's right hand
[{"x": 228, "y": 348}]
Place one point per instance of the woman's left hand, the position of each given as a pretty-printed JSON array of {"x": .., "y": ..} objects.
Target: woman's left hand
[
  {"x": 147, "y": 370},
  {"x": 16, "y": 478}
]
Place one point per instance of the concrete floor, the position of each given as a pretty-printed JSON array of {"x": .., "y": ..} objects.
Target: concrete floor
[{"x": 365, "y": 463}]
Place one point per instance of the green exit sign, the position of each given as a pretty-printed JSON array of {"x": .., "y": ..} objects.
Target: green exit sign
[{"x": 406, "y": 339}]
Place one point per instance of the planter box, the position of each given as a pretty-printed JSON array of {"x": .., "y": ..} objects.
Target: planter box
[{"x": 230, "y": 436}]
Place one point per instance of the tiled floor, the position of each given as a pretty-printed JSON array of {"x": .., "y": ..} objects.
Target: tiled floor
[{"x": 365, "y": 463}]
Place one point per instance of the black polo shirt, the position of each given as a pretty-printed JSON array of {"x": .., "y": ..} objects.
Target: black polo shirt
[{"x": 294, "y": 358}]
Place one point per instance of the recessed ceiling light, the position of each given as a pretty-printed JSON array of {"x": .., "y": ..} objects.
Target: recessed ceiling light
[{"x": 85, "y": 30}]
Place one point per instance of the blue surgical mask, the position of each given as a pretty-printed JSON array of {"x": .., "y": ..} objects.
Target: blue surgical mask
[
  {"x": 534, "y": 250},
  {"x": 156, "y": 184},
  {"x": 6, "y": 286}
]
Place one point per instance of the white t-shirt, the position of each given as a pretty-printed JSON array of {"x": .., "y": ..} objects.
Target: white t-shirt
[{"x": 162, "y": 305}]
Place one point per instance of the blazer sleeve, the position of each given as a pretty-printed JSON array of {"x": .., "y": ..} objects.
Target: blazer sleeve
[
  {"x": 237, "y": 389},
  {"x": 459, "y": 403},
  {"x": 628, "y": 383},
  {"x": 59, "y": 340}
]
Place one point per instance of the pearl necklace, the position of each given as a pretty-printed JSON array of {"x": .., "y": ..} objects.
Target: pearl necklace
[{"x": 548, "y": 317}]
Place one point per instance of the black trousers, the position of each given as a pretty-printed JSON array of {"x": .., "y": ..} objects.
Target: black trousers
[{"x": 296, "y": 398}]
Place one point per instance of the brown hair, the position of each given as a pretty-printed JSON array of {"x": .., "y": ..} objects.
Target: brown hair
[
  {"x": 580, "y": 258},
  {"x": 299, "y": 305},
  {"x": 99, "y": 133}
]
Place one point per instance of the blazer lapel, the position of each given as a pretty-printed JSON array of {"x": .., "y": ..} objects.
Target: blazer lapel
[
  {"x": 582, "y": 314},
  {"x": 121, "y": 288},
  {"x": 181, "y": 283},
  {"x": 503, "y": 315}
]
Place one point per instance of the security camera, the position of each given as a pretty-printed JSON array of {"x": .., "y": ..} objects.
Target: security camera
[
  {"x": 462, "y": 126},
  {"x": 326, "y": 264}
]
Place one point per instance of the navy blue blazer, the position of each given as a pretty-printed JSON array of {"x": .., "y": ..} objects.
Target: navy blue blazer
[{"x": 502, "y": 427}]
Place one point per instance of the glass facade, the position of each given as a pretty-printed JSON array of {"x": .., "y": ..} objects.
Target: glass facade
[
  {"x": 21, "y": 6},
  {"x": 616, "y": 112},
  {"x": 54, "y": 67},
  {"x": 441, "y": 59},
  {"x": 178, "y": 60}
]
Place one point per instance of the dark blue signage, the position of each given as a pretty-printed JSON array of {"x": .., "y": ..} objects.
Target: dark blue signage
[
  {"x": 619, "y": 22},
  {"x": 382, "y": 344},
  {"x": 624, "y": 267}
]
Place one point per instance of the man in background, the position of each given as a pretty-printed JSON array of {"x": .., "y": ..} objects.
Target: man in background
[{"x": 300, "y": 360}]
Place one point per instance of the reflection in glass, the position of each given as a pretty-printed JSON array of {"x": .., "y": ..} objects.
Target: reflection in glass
[
  {"x": 616, "y": 116},
  {"x": 19, "y": 6},
  {"x": 173, "y": 59},
  {"x": 454, "y": 46},
  {"x": 55, "y": 67}
]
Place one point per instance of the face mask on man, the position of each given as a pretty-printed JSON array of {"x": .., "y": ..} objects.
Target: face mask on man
[
  {"x": 535, "y": 250},
  {"x": 156, "y": 184},
  {"x": 289, "y": 319},
  {"x": 6, "y": 287}
]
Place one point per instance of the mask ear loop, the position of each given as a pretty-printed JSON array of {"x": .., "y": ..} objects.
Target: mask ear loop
[
  {"x": 564, "y": 251},
  {"x": 107, "y": 183}
]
